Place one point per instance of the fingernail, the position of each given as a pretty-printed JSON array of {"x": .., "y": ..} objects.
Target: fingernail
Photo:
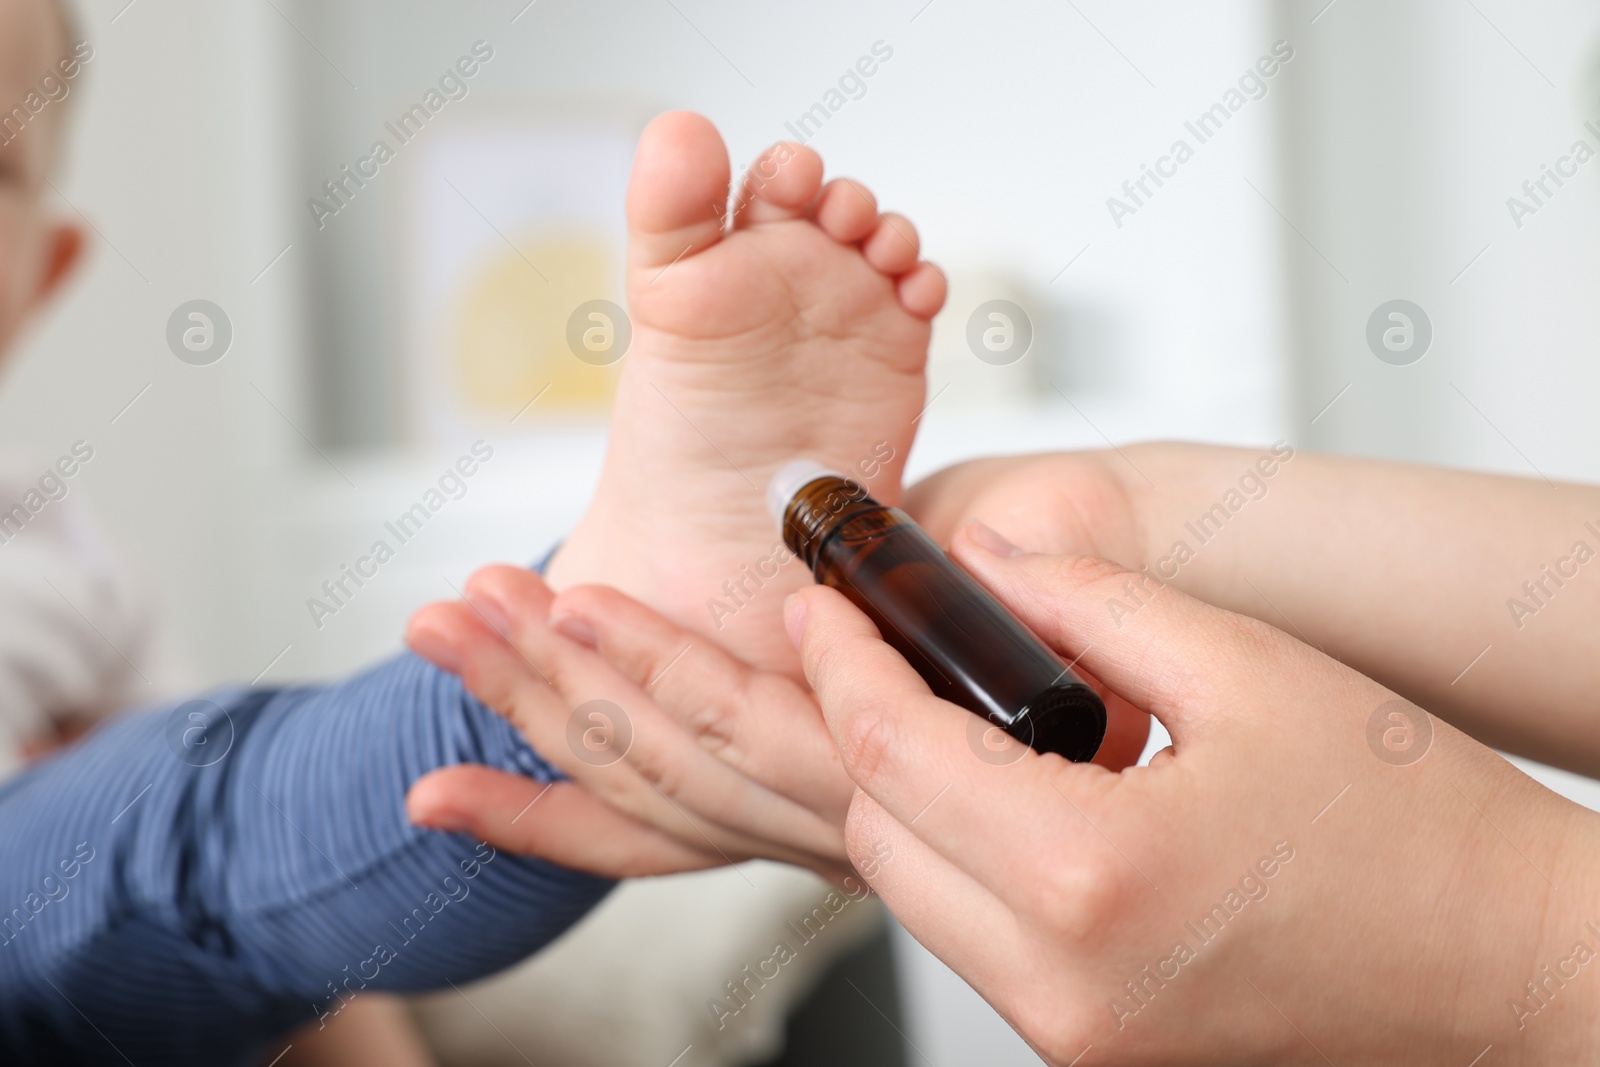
[
  {"x": 435, "y": 650},
  {"x": 985, "y": 537},
  {"x": 491, "y": 611},
  {"x": 794, "y": 618},
  {"x": 577, "y": 629}
]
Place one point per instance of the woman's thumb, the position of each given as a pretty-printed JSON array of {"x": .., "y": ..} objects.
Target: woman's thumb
[{"x": 1158, "y": 648}]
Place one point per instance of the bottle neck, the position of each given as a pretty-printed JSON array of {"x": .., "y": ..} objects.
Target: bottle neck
[{"x": 818, "y": 509}]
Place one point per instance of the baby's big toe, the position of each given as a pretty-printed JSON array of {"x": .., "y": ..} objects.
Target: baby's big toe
[{"x": 679, "y": 188}]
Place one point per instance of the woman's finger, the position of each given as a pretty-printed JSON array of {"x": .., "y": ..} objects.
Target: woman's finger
[
  {"x": 762, "y": 724},
  {"x": 925, "y": 760},
  {"x": 601, "y": 744},
  {"x": 562, "y": 695},
  {"x": 557, "y": 821},
  {"x": 1160, "y": 649},
  {"x": 924, "y": 890},
  {"x": 700, "y": 788},
  {"x": 455, "y": 636},
  {"x": 1127, "y": 727}
]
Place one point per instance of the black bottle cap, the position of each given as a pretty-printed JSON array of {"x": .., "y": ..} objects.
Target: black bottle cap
[{"x": 1068, "y": 719}]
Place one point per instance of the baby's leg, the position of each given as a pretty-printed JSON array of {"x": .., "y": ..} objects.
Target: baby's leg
[{"x": 196, "y": 901}]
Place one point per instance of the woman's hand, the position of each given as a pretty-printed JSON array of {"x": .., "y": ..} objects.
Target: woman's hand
[
  {"x": 680, "y": 756},
  {"x": 1314, "y": 873},
  {"x": 1078, "y": 503},
  {"x": 1486, "y": 617},
  {"x": 650, "y": 796}
]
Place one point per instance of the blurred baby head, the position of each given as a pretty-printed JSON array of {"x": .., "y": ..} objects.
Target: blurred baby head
[{"x": 38, "y": 61}]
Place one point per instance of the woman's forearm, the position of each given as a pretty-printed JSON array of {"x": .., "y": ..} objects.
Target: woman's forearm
[{"x": 1475, "y": 595}]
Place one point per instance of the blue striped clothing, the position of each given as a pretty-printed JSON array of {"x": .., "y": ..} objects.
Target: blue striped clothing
[{"x": 180, "y": 889}]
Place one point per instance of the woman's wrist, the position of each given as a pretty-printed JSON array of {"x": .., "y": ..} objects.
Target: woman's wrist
[
  {"x": 1191, "y": 506},
  {"x": 1553, "y": 988}
]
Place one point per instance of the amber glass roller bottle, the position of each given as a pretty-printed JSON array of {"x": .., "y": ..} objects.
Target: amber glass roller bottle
[{"x": 963, "y": 642}]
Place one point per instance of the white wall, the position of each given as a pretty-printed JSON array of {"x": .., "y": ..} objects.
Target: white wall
[{"x": 1417, "y": 123}]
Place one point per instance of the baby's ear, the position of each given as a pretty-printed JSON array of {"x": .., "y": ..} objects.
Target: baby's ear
[{"x": 63, "y": 251}]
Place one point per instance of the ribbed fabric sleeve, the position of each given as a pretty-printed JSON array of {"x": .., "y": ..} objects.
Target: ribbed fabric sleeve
[{"x": 157, "y": 911}]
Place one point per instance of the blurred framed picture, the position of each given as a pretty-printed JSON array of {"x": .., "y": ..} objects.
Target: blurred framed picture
[{"x": 513, "y": 233}]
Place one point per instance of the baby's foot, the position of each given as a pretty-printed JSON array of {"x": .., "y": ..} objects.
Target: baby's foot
[{"x": 801, "y": 330}]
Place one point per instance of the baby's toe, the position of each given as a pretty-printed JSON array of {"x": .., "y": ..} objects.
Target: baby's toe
[
  {"x": 847, "y": 211},
  {"x": 921, "y": 290},
  {"x": 780, "y": 185},
  {"x": 893, "y": 247},
  {"x": 680, "y": 179}
]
